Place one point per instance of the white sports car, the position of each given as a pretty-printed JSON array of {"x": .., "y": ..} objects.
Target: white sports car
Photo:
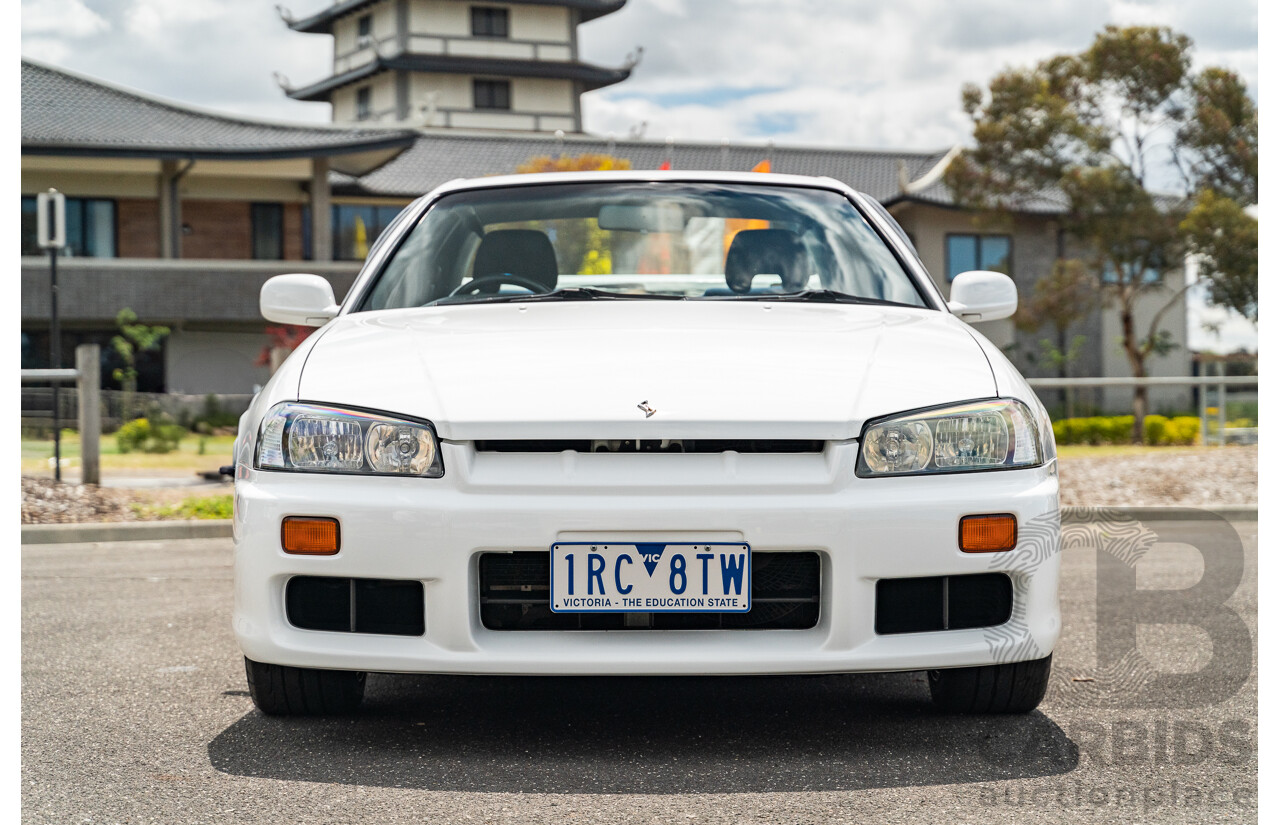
[{"x": 645, "y": 423}]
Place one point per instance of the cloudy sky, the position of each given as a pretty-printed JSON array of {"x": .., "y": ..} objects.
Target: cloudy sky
[{"x": 865, "y": 73}]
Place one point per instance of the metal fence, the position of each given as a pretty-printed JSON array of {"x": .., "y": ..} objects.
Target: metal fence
[
  {"x": 1217, "y": 385},
  {"x": 117, "y": 407}
]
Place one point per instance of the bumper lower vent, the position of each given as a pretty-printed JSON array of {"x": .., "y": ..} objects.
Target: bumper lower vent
[
  {"x": 943, "y": 603},
  {"x": 385, "y": 606},
  {"x": 515, "y": 594}
]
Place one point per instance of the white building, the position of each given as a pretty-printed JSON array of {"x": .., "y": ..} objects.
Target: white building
[{"x": 457, "y": 64}]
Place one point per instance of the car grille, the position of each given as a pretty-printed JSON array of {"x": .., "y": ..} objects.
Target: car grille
[
  {"x": 943, "y": 603},
  {"x": 685, "y": 445},
  {"x": 515, "y": 594}
]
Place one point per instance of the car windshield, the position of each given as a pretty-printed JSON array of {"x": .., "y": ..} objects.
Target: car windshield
[{"x": 620, "y": 240}]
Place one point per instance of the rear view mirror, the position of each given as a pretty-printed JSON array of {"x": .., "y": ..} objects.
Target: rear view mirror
[
  {"x": 306, "y": 300},
  {"x": 649, "y": 217},
  {"x": 983, "y": 296}
]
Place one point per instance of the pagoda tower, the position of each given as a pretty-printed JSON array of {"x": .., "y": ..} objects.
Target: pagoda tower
[{"x": 510, "y": 65}]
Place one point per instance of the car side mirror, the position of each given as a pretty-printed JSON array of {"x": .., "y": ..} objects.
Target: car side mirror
[
  {"x": 983, "y": 296},
  {"x": 306, "y": 300}
]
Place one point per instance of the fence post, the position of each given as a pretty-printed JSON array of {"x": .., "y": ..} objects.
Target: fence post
[
  {"x": 1222, "y": 405},
  {"x": 1203, "y": 392},
  {"x": 88, "y": 390}
]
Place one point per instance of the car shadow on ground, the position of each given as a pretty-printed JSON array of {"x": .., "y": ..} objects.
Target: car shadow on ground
[{"x": 645, "y": 735}]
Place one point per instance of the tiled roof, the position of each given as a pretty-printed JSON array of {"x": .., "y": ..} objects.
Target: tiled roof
[
  {"x": 65, "y": 114},
  {"x": 438, "y": 157},
  {"x": 322, "y": 21},
  {"x": 591, "y": 77}
]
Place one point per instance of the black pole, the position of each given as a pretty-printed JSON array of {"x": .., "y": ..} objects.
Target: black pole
[{"x": 55, "y": 346}]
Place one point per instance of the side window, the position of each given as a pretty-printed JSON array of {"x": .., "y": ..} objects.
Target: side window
[{"x": 364, "y": 103}]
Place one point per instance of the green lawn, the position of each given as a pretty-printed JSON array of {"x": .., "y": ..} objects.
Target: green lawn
[{"x": 186, "y": 460}]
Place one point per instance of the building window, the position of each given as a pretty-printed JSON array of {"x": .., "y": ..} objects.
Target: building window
[
  {"x": 91, "y": 227},
  {"x": 968, "y": 252},
  {"x": 492, "y": 94},
  {"x": 266, "y": 221},
  {"x": 1150, "y": 275},
  {"x": 489, "y": 22},
  {"x": 364, "y": 28},
  {"x": 356, "y": 227},
  {"x": 364, "y": 103}
]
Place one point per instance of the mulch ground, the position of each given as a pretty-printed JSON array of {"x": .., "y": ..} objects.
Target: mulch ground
[
  {"x": 44, "y": 502},
  {"x": 1185, "y": 478}
]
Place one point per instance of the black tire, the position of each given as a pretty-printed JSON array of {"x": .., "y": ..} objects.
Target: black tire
[
  {"x": 1016, "y": 687},
  {"x": 278, "y": 690}
]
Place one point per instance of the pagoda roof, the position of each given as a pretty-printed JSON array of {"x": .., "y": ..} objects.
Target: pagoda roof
[
  {"x": 591, "y": 76},
  {"x": 322, "y": 21}
]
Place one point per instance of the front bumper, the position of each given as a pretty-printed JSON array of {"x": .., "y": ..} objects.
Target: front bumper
[{"x": 434, "y": 531}]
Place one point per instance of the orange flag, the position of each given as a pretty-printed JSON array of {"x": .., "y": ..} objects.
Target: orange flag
[{"x": 762, "y": 166}]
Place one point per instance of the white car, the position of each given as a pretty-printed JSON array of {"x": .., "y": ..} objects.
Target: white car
[{"x": 645, "y": 423}]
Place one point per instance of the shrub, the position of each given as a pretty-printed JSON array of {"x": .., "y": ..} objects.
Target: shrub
[
  {"x": 166, "y": 438},
  {"x": 133, "y": 435},
  {"x": 1118, "y": 429},
  {"x": 141, "y": 435},
  {"x": 1183, "y": 429},
  {"x": 1155, "y": 429}
]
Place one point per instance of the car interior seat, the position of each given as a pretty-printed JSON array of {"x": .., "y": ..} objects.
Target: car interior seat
[{"x": 526, "y": 253}]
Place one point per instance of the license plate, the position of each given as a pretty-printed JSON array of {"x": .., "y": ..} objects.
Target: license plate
[{"x": 648, "y": 577}]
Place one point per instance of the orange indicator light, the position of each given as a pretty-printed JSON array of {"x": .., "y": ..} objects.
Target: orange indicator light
[
  {"x": 988, "y": 534},
  {"x": 310, "y": 536}
]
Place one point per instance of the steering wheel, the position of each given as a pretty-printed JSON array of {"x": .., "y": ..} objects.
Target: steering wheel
[{"x": 475, "y": 284}]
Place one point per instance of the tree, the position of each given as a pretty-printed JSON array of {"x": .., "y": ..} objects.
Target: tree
[
  {"x": 1096, "y": 130},
  {"x": 1059, "y": 300},
  {"x": 580, "y": 243},
  {"x": 133, "y": 339},
  {"x": 1225, "y": 239}
]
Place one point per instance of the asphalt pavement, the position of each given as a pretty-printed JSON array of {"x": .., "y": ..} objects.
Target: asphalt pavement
[{"x": 135, "y": 710}]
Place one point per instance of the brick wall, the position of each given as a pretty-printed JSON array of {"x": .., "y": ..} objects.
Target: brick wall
[
  {"x": 219, "y": 229},
  {"x": 137, "y": 228},
  {"x": 293, "y": 232}
]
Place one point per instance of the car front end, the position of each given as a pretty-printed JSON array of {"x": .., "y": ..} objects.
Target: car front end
[{"x": 733, "y": 487}]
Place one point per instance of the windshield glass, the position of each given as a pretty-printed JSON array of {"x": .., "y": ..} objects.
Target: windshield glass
[{"x": 641, "y": 240}]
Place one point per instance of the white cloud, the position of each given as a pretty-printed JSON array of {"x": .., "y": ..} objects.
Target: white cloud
[{"x": 58, "y": 19}]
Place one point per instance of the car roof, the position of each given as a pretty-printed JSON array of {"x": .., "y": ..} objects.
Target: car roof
[{"x": 640, "y": 176}]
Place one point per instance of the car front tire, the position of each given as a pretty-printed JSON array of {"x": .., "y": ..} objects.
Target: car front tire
[
  {"x": 1016, "y": 687},
  {"x": 278, "y": 690}
]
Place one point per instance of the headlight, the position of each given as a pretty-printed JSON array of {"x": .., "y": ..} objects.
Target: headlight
[
  {"x": 315, "y": 439},
  {"x": 978, "y": 435}
]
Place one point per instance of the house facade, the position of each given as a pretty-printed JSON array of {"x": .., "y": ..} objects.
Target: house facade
[{"x": 181, "y": 215}]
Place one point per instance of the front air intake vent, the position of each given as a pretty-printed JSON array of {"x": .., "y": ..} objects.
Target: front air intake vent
[
  {"x": 515, "y": 594},
  {"x": 656, "y": 445},
  {"x": 943, "y": 603},
  {"x": 387, "y": 606}
]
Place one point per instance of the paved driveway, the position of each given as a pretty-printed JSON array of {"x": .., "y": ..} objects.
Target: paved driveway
[{"x": 135, "y": 710}]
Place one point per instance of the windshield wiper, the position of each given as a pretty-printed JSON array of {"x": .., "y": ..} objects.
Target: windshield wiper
[
  {"x": 825, "y": 296},
  {"x": 573, "y": 293}
]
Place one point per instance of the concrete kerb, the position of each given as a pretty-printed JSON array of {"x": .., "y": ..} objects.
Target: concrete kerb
[
  {"x": 221, "y": 528},
  {"x": 125, "y": 531}
]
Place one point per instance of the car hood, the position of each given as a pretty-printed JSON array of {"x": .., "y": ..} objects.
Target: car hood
[{"x": 710, "y": 369}]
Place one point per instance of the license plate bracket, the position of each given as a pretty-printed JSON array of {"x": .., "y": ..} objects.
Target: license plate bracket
[{"x": 650, "y": 577}]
